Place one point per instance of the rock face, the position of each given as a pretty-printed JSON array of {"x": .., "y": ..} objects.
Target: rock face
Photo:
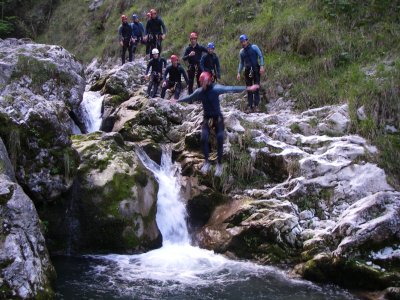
[
  {"x": 41, "y": 87},
  {"x": 117, "y": 197},
  {"x": 25, "y": 267}
]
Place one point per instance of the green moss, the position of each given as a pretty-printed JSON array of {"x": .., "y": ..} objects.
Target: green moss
[
  {"x": 40, "y": 71},
  {"x": 140, "y": 176},
  {"x": 295, "y": 128}
]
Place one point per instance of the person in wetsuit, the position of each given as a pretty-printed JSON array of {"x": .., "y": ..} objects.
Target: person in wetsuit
[
  {"x": 174, "y": 72},
  {"x": 155, "y": 31},
  {"x": 210, "y": 63},
  {"x": 209, "y": 94},
  {"x": 156, "y": 65},
  {"x": 252, "y": 60},
  {"x": 192, "y": 56},
  {"x": 125, "y": 38}
]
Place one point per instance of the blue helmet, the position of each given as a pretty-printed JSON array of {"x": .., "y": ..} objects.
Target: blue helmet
[
  {"x": 243, "y": 37},
  {"x": 211, "y": 45},
  {"x": 135, "y": 16}
]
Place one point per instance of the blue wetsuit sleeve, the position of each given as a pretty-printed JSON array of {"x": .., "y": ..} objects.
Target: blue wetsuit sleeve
[
  {"x": 259, "y": 54},
  {"x": 222, "y": 89},
  {"x": 193, "y": 96},
  {"x": 241, "y": 61},
  {"x": 218, "y": 67},
  {"x": 141, "y": 29},
  {"x": 202, "y": 60}
]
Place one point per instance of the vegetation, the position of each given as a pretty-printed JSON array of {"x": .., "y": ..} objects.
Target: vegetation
[{"x": 320, "y": 51}]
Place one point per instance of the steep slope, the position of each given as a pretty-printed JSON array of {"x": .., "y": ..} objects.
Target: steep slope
[{"x": 318, "y": 52}]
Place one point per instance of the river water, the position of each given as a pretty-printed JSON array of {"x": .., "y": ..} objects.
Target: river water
[{"x": 178, "y": 270}]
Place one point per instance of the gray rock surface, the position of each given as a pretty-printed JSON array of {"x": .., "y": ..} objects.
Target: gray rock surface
[
  {"x": 25, "y": 268},
  {"x": 41, "y": 87}
]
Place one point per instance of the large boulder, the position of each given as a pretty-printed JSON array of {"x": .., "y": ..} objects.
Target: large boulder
[
  {"x": 41, "y": 87},
  {"x": 25, "y": 268},
  {"x": 117, "y": 197}
]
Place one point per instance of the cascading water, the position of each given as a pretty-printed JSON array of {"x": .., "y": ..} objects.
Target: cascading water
[
  {"x": 91, "y": 110},
  {"x": 178, "y": 270}
]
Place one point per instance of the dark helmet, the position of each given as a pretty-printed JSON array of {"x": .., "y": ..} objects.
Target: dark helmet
[
  {"x": 135, "y": 17},
  {"x": 211, "y": 45}
]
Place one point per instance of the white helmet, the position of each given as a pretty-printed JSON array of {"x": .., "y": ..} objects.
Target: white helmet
[{"x": 155, "y": 51}]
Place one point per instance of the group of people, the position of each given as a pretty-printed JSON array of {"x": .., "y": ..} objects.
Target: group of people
[
  {"x": 130, "y": 35},
  {"x": 203, "y": 65}
]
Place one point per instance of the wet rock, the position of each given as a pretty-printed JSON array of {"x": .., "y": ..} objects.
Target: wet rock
[
  {"x": 117, "y": 197},
  {"x": 25, "y": 268}
]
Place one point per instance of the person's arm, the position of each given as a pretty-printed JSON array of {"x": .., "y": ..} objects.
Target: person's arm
[
  {"x": 147, "y": 26},
  {"x": 224, "y": 89},
  {"x": 202, "y": 61},
  {"x": 241, "y": 61},
  {"x": 190, "y": 98},
  {"x": 218, "y": 67},
  {"x": 163, "y": 63},
  {"x": 166, "y": 73},
  {"x": 120, "y": 37},
  {"x": 148, "y": 66},
  {"x": 259, "y": 54},
  {"x": 141, "y": 28},
  {"x": 186, "y": 54},
  {"x": 183, "y": 72},
  {"x": 163, "y": 27}
]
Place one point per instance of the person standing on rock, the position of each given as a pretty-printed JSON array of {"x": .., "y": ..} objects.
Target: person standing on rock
[
  {"x": 155, "y": 31},
  {"x": 210, "y": 63},
  {"x": 156, "y": 64},
  {"x": 137, "y": 33},
  {"x": 252, "y": 60},
  {"x": 174, "y": 72},
  {"x": 192, "y": 55},
  {"x": 209, "y": 94},
  {"x": 125, "y": 38}
]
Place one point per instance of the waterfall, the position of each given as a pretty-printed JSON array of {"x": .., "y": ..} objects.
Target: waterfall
[
  {"x": 171, "y": 212},
  {"x": 91, "y": 110}
]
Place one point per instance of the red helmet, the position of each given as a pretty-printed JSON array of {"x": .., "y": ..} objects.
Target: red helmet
[
  {"x": 205, "y": 76},
  {"x": 124, "y": 18},
  {"x": 174, "y": 58},
  {"x": 153, "y": 11},
  {"x": 193, "y": 35}
]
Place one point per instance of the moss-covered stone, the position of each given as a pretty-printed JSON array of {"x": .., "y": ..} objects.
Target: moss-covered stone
[{"x": 348, "y": 273}]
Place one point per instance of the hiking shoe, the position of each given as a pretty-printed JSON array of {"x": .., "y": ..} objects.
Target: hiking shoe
[
  {"x": 205, "y": 168},
  {"x": 218, "y": 170},
  {"x": 256, "y": 109}
]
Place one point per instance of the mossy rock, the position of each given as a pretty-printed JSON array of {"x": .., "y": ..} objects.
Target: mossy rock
[{"x": 348, "y": 273}]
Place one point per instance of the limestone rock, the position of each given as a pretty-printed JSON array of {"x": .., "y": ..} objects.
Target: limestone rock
[
  {"x": 117, "y": 196},
  {"x": 40, "y": 92},
  {"x": 25, "y": 267}
]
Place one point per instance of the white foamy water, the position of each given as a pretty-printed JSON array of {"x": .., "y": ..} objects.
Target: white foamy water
[
  {"x": 91, "y": 109},
  {"x": 179, "y": 270}
]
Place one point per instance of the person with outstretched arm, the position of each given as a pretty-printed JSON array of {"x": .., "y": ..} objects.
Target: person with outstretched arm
[
  {"x": 252, "y": 60},
  {"x": 208, "y": 94}
]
